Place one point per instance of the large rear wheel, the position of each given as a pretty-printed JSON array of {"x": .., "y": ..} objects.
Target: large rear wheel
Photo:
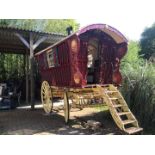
[{"x": 46, "y": 97}]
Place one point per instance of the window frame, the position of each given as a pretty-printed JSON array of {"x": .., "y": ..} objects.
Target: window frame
[{"x": 52, "y": 58}]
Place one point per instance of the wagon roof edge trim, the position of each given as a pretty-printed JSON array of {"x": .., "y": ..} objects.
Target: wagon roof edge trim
[{"x": 57, "y": 43}]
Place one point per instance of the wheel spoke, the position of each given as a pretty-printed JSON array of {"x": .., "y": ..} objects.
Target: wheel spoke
[{"x": 43, "y": 92}]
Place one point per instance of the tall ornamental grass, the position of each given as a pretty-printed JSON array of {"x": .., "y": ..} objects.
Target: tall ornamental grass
[{"x": 138, "y": 89}]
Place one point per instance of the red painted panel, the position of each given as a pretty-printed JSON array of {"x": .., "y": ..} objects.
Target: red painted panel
[
  {"x": 60, "y": 74},
  {"x": 71, "y": 70}
]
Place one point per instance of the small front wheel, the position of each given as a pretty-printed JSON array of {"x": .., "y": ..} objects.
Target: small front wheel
[{"x": 66, "y": 107}]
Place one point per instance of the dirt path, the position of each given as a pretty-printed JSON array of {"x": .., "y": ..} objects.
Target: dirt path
[{"x": 27, "y": 122}]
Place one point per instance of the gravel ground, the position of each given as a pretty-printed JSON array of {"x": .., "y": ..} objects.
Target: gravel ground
[{"x": 89, "y": 121}]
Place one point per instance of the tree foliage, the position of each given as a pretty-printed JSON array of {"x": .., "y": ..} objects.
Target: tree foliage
[
  {"x": 147, "y": 42},
  {"x": 132, "y": 56},
  {"x": 45, "y": 25},
  {"x": 11, "y": 66}
]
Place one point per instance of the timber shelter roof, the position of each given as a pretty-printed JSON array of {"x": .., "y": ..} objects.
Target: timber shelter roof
[{"x": 17, "y": 41}]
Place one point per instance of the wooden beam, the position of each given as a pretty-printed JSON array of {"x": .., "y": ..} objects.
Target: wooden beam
[
  {"x": 13, "y": 46},
  {"x": 24, "y": 67},
  {"x": 32, "y": 72},
  {"x": 11, "y": 51},
  {"x": 24, "y": 41},
  {"x": 38, "y": 42},
  {"x": 27, "y": 77}
]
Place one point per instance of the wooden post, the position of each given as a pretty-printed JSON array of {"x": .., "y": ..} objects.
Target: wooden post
[
  {"x": 32, "y": 72},
  {"x": 24, "y": 65},
  {"x": 27, "y": 77},
  {"x": 32, "y": 46}
]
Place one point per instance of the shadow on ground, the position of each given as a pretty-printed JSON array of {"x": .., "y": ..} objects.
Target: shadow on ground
[{"x": 27, "y": 122}]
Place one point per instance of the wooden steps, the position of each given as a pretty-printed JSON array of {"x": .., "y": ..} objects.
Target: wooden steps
[
  {"x": 133, "y": 130},
  {"x": 124, "y": 113},
  {"x": 111, "y": 91},
  {"x": 128, "y": 121},
  {"x": 119, "y": 110},
  {"x": 118, "y": 105},
  {"x": 113, "y": 98}
]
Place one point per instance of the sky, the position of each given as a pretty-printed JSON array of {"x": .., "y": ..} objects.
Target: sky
[
  {"x": 131, "y": 31},
  {"x": 130, "y": 17}
]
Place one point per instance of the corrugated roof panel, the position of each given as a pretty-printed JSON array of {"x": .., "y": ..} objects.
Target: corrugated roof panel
[{"x": 10, "y": 42}]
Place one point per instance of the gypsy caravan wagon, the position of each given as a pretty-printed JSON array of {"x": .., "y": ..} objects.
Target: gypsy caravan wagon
[{"x": 84, "y": 68}]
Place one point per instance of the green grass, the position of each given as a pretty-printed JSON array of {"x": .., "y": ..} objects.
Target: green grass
[{"x": 102, "y": 108}]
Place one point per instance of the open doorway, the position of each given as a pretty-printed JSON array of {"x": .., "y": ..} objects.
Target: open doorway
[{"x": 93, "y": 60}]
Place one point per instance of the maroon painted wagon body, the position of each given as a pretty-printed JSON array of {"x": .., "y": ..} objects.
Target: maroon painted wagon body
[{"x": 90, "y": 56}]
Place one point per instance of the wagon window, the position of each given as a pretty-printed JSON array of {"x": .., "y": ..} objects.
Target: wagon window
[{"x": 52, "y": 58}]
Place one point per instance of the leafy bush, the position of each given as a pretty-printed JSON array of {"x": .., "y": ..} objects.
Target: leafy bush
[{"x": 138, "y": 89}]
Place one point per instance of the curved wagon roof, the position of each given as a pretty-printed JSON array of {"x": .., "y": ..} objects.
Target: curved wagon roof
[
  {"x": 111, "y": 31},
  {"x": 117, "y": 36}
]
